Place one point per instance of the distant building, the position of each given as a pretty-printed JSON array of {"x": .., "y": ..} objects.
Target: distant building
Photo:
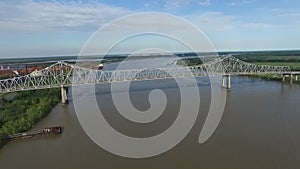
[{"x": 36, "y": 73}]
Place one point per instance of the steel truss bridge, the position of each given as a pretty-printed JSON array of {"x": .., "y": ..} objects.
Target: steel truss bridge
[{"x": 62, "y": 74}]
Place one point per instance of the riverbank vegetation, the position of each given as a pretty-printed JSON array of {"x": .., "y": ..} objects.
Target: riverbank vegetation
[
  {"x": 269, "y": 56},
  {"x": 189, "y": 62},
  {"x": 273, "y": 58},
  {"x": 275, "y": 78},
  {"x": 26, "y": 109}
]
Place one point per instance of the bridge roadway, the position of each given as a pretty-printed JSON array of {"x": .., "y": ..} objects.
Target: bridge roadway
[{"x": 62, "y": 74}]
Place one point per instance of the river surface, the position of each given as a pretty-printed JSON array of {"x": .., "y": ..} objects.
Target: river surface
[{"x": 260, "y": 129}]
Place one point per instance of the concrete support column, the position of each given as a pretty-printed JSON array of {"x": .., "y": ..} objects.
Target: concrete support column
[
  {"x": 283, "y": 78},
  {"x": 228, "y": 82},
  {"x": 64, "y": 96},
  {"x": 223, "y": 81},
  {"x": 296, "y": 78},
  {"x": 291, "y": 78}
]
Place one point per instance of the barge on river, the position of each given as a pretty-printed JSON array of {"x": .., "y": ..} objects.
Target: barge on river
[{"x": 56, "y": 130}]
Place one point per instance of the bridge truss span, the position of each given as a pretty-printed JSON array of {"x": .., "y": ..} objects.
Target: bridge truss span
[{"x": 62, "y": 74}]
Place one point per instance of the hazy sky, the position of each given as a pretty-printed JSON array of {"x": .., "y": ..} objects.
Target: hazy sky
[{"x": 52, "y": 27}]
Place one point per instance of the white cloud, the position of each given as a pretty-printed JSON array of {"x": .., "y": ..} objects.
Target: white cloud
[
  {"x": 218, "y": 22},
  {"x": 241, "y": 2},
  {"x": 204, "y": 2},
  {"x": 29, "y": 15},
  {"x": 254, "y": 25},
  {"x": 290, "y": 14},
  {"x": 171, "y": 4},
  {"x": 213, "y": 21}
]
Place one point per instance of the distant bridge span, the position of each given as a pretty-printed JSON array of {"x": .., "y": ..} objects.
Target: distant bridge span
[{"x": 62, "y": 74}]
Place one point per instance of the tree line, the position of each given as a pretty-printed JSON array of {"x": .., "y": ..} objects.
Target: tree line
[{"x": 25, "y": 110}]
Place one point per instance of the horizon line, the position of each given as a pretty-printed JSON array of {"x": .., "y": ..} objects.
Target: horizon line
[{"x": 178, "y": 52}]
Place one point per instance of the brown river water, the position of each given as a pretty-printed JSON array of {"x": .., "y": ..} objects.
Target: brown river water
[{"x": 260, "y": 129}]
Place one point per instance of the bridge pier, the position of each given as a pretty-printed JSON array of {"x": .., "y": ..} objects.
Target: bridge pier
[
  {"x": 296, "y": 78},
  {"x": 64, "y": 95},
  {"x": 228, "y": 82},
  {"x": 226, "y": 85},
  {"x": 290, "y": 76}
]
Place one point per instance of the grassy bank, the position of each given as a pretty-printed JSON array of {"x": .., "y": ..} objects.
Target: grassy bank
[{"x": 26, "y": 109}]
